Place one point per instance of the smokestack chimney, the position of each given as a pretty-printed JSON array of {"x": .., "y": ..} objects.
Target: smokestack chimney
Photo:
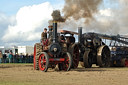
[
  {"x": 54, "y": 32},
  {"x": 80, "y": 34}
]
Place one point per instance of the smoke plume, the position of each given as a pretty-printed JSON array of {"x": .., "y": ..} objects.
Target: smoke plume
[
  {"x": 57, "y": 16},
  {"x": 87, "y": 14},
  {"x": 81, "y": 9},
  {"x": 77, "y": 9},
  {"x": 111, "y": 20}
]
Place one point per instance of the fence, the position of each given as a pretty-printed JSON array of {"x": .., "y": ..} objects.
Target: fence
[{"x": 18, "y": 60}]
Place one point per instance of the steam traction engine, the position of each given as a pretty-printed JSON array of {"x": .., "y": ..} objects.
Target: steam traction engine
[
  {"x": 93, "y": 50},
  {"x": 119, "y": 56},
  {"x": 58, "y": 50},
  {"x": 119, "y": 49}
]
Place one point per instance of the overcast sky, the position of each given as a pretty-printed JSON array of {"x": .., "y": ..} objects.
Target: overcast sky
[{"x": 22, "y": 21}]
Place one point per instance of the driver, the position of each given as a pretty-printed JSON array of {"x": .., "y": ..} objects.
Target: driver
[{"x": 44, "y": 34}]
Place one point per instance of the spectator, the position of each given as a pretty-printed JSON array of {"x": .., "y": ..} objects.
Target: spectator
[
  {"x": 1, "y": 57},
  {"x": 31, "y": 58},
  {"x": 10, "y": 56},
  {"x": 16, "y": 58},
  {"x": 24, "y": 60},
  {"x": 27, "y": 58},
  {"x": 4, "y": 57},
  {"x": 13, "y": 58},
  {"x": 21, "y": 58}
]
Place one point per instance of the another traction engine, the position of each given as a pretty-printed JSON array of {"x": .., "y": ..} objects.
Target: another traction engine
[{"x": 93, "y": 50}]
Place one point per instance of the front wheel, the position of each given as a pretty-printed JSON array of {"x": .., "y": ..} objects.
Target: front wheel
[
  {"x": 87, "y": 59},
  {"x": 66, "y": 65},
  {"x": 43, "y": 61}
]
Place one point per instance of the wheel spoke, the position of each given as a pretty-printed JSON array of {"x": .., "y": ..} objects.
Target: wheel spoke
[
  {"x": 44, "y": 60},
  {"x": 67, "y": 60},
  {"x": 74, "y": 63},
  {"x": 66, "y": 65},
  {"x": 43, "y": 57},
  {"x": 43, "y": 64}
]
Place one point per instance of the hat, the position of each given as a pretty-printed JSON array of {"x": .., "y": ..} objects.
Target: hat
[{"x": 45, "y": 28}]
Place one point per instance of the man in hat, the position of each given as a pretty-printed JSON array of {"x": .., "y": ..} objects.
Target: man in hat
[{"x": 44, "y": 34}]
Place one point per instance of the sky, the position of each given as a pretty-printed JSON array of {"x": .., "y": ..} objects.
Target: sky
[
  {"x": 22, "y": 21},
  {"x": 10, "y": 7}
]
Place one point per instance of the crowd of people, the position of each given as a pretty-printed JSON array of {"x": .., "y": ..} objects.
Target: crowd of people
[{"x": 15, "y": 58}]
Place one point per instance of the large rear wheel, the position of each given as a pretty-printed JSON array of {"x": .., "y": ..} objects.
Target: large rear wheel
[
  {"x": 43, "y": 61},
  {"x": 37, "y": 51}
]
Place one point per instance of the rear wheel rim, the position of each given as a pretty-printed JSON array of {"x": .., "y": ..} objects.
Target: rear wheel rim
[{"x": 42, "y": 62}]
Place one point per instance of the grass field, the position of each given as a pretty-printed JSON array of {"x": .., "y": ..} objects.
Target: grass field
[{"x": 24, "y": 74}]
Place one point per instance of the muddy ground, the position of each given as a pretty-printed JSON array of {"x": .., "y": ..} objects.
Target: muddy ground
[{"x": 23, "y": 74}]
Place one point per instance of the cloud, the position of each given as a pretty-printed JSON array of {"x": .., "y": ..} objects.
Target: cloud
[
  {"x": 4, "y": 22},
  {"x": 30, "y": 21},
  {"x": 122, "y": 16},
  {"x": 116, "y": 19},
  {"x": 105, "y": 12}
]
